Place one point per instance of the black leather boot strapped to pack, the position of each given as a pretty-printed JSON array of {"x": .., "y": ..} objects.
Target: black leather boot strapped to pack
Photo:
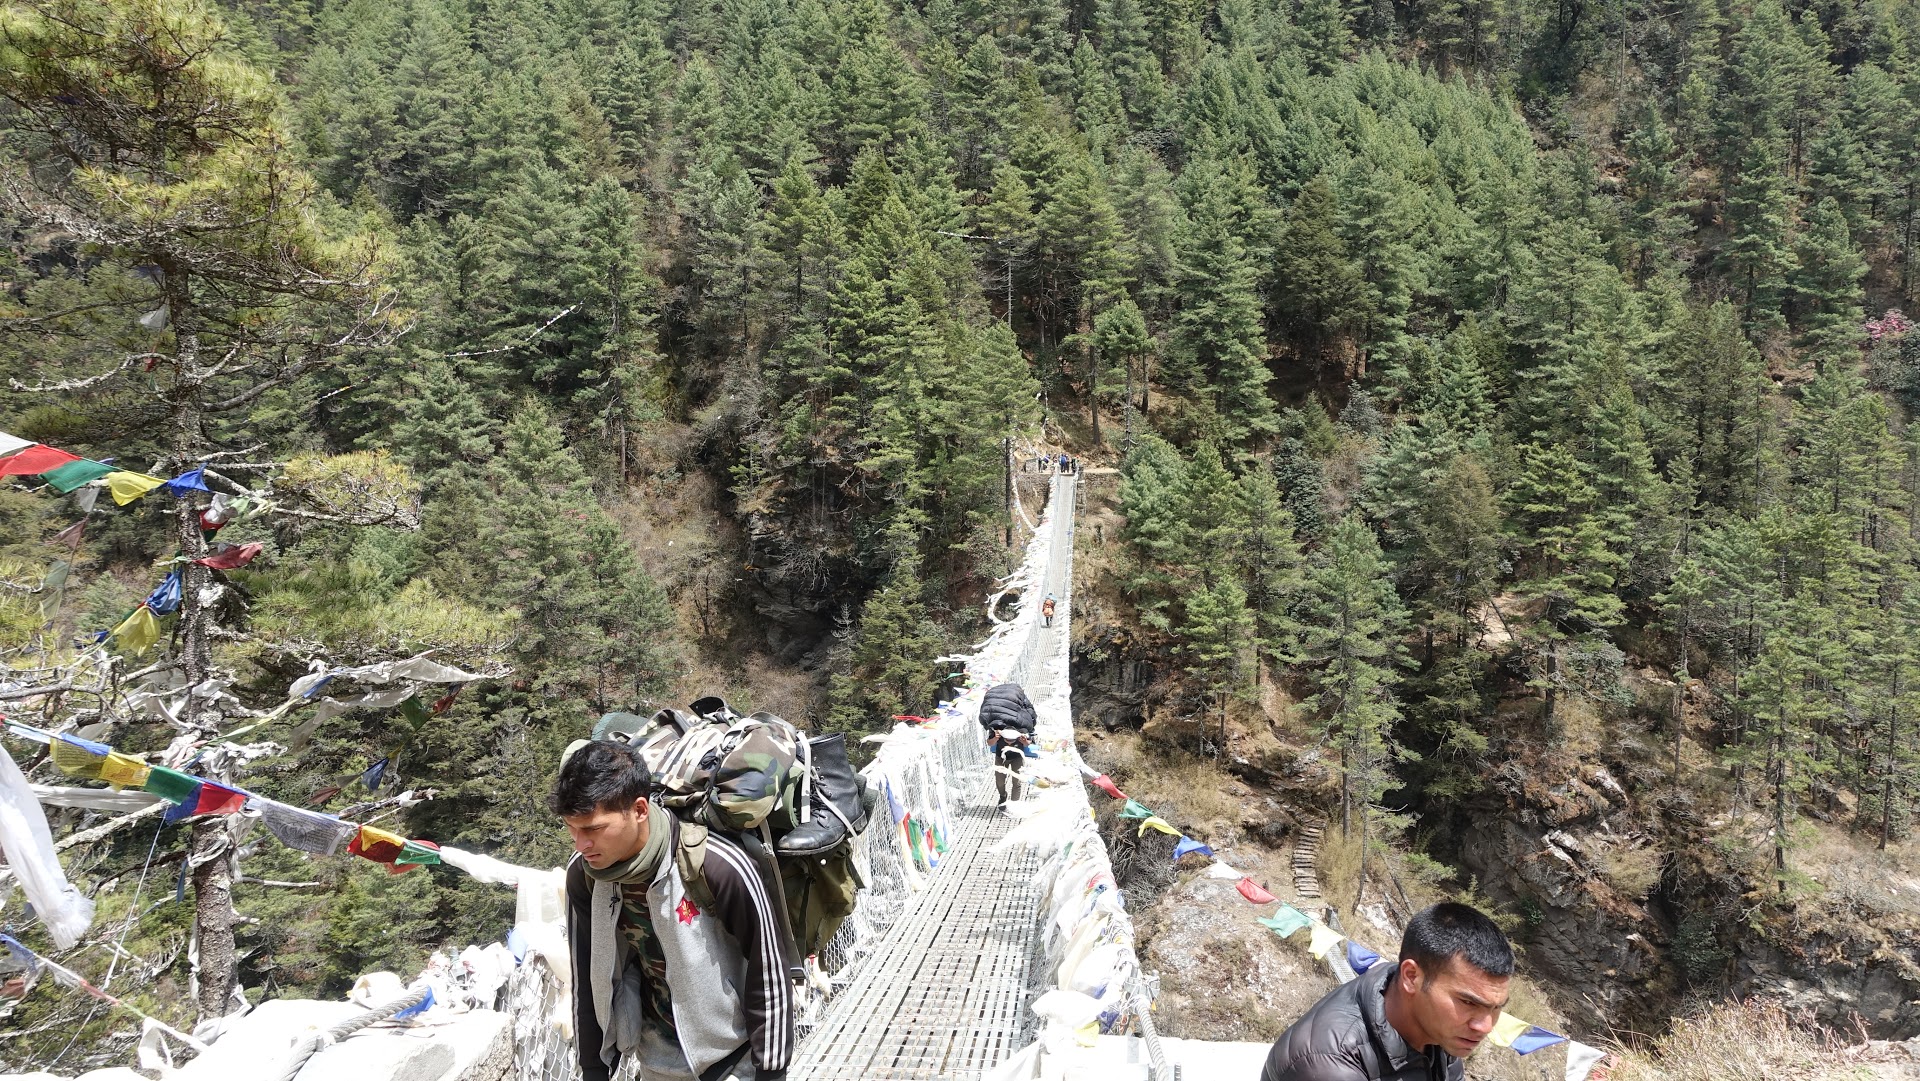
[{"x": 837, "y": 809}]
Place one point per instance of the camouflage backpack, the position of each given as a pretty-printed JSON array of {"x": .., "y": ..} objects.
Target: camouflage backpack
[{"x": 750, "y": 778}]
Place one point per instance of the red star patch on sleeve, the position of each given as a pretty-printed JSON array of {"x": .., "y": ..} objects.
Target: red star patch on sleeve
[{"x": 686, "y": 912}]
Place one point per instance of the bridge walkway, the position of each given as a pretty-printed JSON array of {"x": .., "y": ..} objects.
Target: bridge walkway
[{"x": 945, "y": 993}]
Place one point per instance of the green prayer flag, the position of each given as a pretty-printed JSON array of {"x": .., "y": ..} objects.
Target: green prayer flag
[
  {"x": 75, "y": 474},
  {"x": 1286, "y": 921},
  {"x": 1134, "y": 809},
  {"x": 415, "y": 712},
  {"x": 413, "y": 852},
  {"x": 171, "y": 785}
]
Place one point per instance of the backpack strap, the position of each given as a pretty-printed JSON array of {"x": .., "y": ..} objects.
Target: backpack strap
[{"x": 690, "y": 859}]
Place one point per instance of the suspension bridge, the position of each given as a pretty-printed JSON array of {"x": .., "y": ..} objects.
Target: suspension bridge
[{"x": 984, "y": 945}]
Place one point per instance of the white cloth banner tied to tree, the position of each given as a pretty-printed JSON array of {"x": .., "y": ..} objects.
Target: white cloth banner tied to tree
[{"x": 66, "y": 912}]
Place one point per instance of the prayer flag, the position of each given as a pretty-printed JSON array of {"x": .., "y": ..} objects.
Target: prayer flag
[
  {"x": 1534, "y": 1039},
  {"x": 418, "y": 1008},
  {"x": 893, "y": 804},
  {"x": 377, "y": 845},
  {"x": 165, "y": 596},
  {"x": 171, "y": 784},
  {"x": 1581, "y": 1060},
  {"x": 1135, "y": 810},
  {"x": 125, "y": 487},
  {"x": 306, "y": 831},
  {"x": 1359, "y": 958},
  {"x": 1324, "y": 938},
  {"x": 139, "y": 631},
  {"x": 417, "y": 854},
  {"x": 78, "y": 757},
  {"x": 374, "y": 775},
  {"x": 443, "y": 704},
  {"x": 86, "y": 498},
  {"x": 215, "y": 798},
  {"x": 208, "y": 798},
  {"x": 415, "y": 711},
  {"x": 124, "y": 771},
  {"x": 11, "y": 443},
  {"x": 1188, "y": 845},
  {"x": 1507, "y": 1029},
  {"x": 72, "y": 535},
  {"x": 1155, "y": 822},
  {"x": 1287, "y": 921},
  {"x": 34, "y": 460},
  {"x": 231, "y": 557},
  {"x": 1226, "y": 872},
  {"x": 53, "y": 588},
  {"x": 72, "y": 475},
  {"x": 193, "y": 480},
  {"x": 1251, "y": 891},
  {"x": 1105, "y": 784}
]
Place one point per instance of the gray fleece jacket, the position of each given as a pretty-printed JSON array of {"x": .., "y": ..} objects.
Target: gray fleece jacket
[{"x": 727, "y": 969}]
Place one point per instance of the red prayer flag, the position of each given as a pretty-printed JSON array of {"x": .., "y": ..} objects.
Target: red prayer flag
[
  {"x": 35, "y": 459},
  {"x": 1105, "y": 784},
  {"x": 1254, "y": 893},
  {"x": 441, "y": 705},
  {"x": 232, "y": 557},
  {"x": 218, "y": 799}
]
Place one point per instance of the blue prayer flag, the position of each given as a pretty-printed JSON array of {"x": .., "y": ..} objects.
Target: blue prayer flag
[
  {"x": 374, "y": 775},
  {"x": 165, "y": 597},
  {"x": 1187, "y": 845},
  {"x": 1359, "y": 957},
  {"x": 193, "y": 480},
  {"x": 1534, "y": 1039}
]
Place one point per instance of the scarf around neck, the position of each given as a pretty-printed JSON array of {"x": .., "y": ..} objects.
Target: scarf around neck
[{"x": 644, "y": 864}]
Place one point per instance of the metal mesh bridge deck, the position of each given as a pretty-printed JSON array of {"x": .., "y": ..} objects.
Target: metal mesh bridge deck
[{"x": 945, "y": 994}]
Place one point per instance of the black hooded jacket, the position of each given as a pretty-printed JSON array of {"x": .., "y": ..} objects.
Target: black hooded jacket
[
  {"x": 1346, "y": 1037},
  {"x": 1006, "y": 706}
]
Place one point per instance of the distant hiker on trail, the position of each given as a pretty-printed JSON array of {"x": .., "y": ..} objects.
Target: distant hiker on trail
[
  {"x": 1008, "y": 717},
  {"x": 692, "y": 994},
  {"x": 1414, "y": 1021},
  {"x": 1046, "y": 610}
]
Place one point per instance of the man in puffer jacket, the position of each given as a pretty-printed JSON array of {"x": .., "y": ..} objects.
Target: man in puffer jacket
[
  {"x": 1008, "y": 717},
  {"x": 1411, "y": 1021}
]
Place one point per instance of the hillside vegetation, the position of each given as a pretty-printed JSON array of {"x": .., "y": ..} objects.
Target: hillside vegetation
[{"x": 1496, "y": 386}]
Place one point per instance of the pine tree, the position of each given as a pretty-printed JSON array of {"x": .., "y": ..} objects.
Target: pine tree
[
  {"x": 1352, "y": 623},
  {"x": 1271, "y": 567},
  {"x": 1825, "y": 286},
  {"x": 1153, "y": 487},
  {"x": 1219, "y": 350},
  {"x": 1318, "y": 290},
  {"x": 1214, "y": 633},
  {"x": 1122, "y": 343},
  {"x": 1570, "y": 571}
]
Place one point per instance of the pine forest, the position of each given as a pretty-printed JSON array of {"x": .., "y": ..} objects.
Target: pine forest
[{"x": 1485, "y": 408}]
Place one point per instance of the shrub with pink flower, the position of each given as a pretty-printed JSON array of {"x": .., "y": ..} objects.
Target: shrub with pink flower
[{"x": 1892, "y": 325}]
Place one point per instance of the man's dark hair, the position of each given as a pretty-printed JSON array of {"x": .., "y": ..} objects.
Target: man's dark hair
[
  {"x": 1437, "y": 935},
  {"x": 603, "y": 775}
]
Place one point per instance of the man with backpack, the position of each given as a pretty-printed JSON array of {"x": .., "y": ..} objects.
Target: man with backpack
[
  {"x": 1008, "y": 716},
  {"x": 697, "y": 992}
]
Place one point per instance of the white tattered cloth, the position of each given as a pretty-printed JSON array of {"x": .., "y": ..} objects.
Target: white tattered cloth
[{"x": 28, "y": 843}]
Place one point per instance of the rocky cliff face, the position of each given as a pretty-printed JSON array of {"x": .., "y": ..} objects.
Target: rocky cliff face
[{"x": 1628, "y": 910}]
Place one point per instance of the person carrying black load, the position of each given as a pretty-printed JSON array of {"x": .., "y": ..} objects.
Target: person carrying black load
[{"x": 1007, "y": 715}]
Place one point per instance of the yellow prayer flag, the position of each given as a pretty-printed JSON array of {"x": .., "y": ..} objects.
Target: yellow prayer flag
[
  {"x": 1508, "y": 1029},
  {"x": 139, "y": 631},
  {"x": 75, "y": 761},
  {"x": 375, "y": 835},
  {"x": 124, "y": 771},
  {"x": 127, "y": 487},
  {"x": 1157, "y": 823},
  {"x": 1324, "y": 938}
]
